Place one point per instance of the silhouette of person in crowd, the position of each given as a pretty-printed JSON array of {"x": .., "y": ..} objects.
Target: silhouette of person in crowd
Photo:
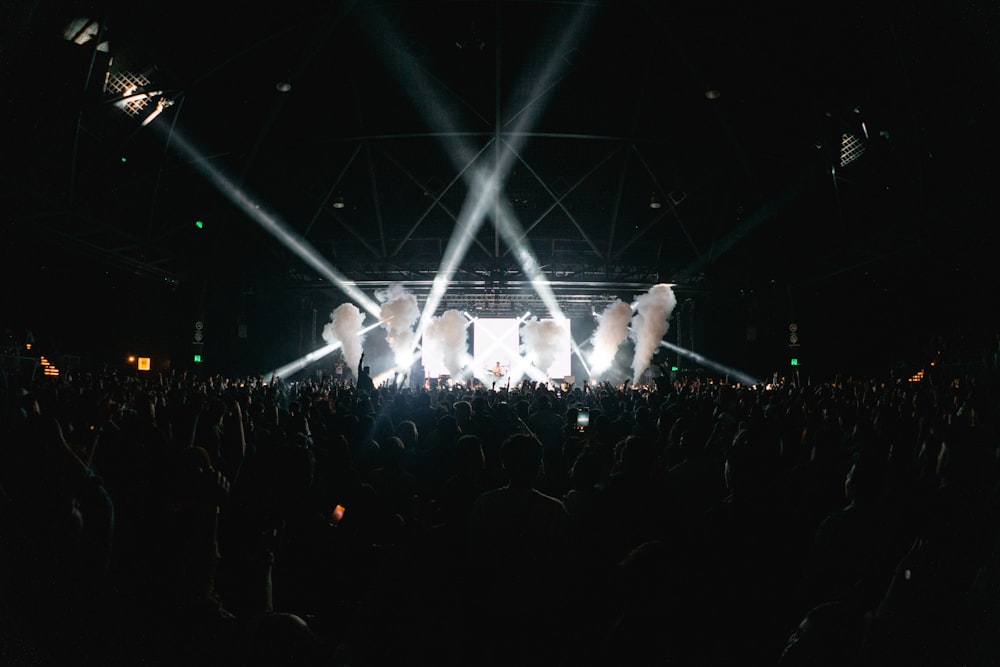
[
  {"x": 365, "y": 382},
  {"x": 169, "y": 518}
]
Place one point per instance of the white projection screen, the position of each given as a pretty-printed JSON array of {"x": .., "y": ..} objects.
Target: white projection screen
[
  {"x": 497, "y": 356},
  {"x": 496, "y": 341},
  {"x": 496, "y": 353}
]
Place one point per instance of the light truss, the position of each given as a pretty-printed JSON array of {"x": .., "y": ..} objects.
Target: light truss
[{"x": 513, "y": 298}]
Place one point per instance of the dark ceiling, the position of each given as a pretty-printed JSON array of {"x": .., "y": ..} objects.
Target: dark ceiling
[{"x": 583, "y": 112}]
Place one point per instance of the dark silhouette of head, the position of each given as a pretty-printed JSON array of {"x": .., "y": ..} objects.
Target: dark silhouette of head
[
  {"x": 521, "y": 456},
  {"x": 463, "y": 411},
  {"x": 469, "y": 455},
  {"x": 391, "y": 452},
  {"x": 638, "y": 455},
  {"x": 587, "y": 471},
  {"x": 406, "y": 431},
  {"x": 830, "y": 635},
  {"x": 283, "y": 638}
]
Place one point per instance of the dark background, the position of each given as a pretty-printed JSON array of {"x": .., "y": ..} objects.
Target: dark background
[{"x": 884, "y": 263}]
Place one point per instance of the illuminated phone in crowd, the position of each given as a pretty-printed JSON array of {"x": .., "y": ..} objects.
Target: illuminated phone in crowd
[
  {"x": 336, "y": 515},
  {"x": 582, "y": 419}
]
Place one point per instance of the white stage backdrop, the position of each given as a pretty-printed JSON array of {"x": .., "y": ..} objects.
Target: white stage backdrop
[{"x": 496, "y": 354}]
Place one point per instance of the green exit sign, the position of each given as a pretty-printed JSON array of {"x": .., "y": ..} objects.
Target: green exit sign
[
  {"x": 795, "y": 362},
  {"x": 197, "y": 358}
]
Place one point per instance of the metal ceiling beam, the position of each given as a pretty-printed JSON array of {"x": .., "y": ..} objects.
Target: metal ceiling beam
[
  {"x": 376, "y": 200},
  {"x": 769, "y": 210},
  {"x": 109, "y": 252},
  {"x": 436, "y": 197},
  {"x": 665, "y": 198},
  {"x": 558, "y": 200},
  {"x": 333, "y": 188}
]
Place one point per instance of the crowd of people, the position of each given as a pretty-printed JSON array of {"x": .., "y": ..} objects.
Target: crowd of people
[{"x": 172, "y": 519}]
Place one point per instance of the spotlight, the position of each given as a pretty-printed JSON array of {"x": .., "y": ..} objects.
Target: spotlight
[
  {"x": 161, "y": 104},
  {"x": 338, "y": 202},
  {"x": 284, "y": 85},
  {"x": 654, "y": 202},
  {"x": 851, "y": 148}
]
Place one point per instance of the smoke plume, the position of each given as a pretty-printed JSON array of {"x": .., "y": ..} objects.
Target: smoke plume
[
  {"x": 612, "y": 329},
  {"x": 447, "y": 338},
  {"x": 399, "y": 313},
  {"x": 649, "y": 324},
  {"x": 542, "y": 341},
  {"x": 345, "y": 328}
]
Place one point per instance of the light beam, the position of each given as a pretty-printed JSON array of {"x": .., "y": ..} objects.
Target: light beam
[
  {"x": 273, "y": 224},
  {"x": 714, "y": 365},
  {"x": 485, "y": 185},
  {"x": 293, "y": 367}
]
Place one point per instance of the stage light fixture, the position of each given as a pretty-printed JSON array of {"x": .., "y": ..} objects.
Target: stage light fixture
[
  {"x": 851, "y": 148},
  {"x": 81, "y": 30},
  {"x": 161, "y": 104},
  {"x": 134, "y": 94}
]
